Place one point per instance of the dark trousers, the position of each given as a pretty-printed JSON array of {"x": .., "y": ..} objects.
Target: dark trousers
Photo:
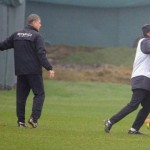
[
  {"x": 139, "y": 96},
  {"x": 25, "y": 83}
]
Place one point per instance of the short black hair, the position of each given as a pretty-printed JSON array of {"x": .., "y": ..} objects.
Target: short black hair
[{"x": 146, "y": 29}]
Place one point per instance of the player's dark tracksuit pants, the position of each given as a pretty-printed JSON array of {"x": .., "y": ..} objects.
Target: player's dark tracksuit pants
[
  {"x": 25, "y": 83},
  {"x": 139, "y": 96}
]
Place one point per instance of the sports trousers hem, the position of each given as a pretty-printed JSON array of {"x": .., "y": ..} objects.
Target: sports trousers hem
[{"x": 139, "y": 96}]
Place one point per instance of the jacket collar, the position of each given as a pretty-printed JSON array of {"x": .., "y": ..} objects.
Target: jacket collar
[{"x": 31, "y": 27}]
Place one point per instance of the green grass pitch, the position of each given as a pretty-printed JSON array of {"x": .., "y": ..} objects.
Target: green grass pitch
[{"x": 72, "y": 119}]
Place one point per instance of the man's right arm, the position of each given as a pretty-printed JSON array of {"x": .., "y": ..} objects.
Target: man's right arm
[
  {"x": 145, "y": 46},
  {"x": 41, "y": 53}
]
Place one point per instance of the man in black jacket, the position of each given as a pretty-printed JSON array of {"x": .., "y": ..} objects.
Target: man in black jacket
[{"x": 30, "y": 57}]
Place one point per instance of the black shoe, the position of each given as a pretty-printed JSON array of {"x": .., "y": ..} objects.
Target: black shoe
[
  {"x": 22, "y": 125},
  {"x": 135, "y": 132},
  {"x": 107, "y": 126},
  {"x": 33, "y": 123}
]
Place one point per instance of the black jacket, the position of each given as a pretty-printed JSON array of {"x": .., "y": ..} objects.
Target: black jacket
[{"x": 29, "y": 51}]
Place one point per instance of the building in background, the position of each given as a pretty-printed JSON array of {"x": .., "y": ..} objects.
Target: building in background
[
  {"x": 101, "y": 23},
  {"x": 94, "y": 23},
  {"x": 12, "y": 14}
]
